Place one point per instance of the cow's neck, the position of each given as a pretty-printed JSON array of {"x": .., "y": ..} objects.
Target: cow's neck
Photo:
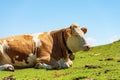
[
  {"x": 64, "y": 42},
  {"x": 60, "y": 48}
]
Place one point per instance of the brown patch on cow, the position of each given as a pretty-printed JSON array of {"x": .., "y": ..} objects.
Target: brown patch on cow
[
  {"x": 92, "y": 66},
  {"x": 59, "y": 49},
  {"x": 68, "y": 33},
  {"x": 46, "y": 41},
  {"x": 22, "y": 46},
  {"x": 27, "y": 37}
]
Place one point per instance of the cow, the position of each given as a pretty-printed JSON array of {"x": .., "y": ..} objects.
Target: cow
[{"x": 48, "y": 50}]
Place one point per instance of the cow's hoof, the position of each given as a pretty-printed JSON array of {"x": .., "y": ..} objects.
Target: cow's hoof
[
  {"x": 10, "y": 68},
  {"x": 69, "y": 63}
]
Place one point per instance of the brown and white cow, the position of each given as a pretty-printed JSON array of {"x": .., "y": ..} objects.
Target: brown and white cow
[{"x": 49, "y": 50}]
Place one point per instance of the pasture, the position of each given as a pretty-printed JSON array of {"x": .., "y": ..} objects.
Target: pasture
[{"x": 100, "y": 63}]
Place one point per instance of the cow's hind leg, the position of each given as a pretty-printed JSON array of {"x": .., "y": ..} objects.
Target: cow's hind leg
[
  {"x": 7, "y": 67},
  {"x": 5, "y": 62}
]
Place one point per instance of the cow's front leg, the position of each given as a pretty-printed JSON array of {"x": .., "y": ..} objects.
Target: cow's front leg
[
  {"x": 47, "y": 63},
  {"x": 64, "y": 63},
  {"x": 67, "y": 62}
]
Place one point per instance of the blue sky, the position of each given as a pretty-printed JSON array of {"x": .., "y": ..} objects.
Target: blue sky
[{"x": 101, "y": 17}]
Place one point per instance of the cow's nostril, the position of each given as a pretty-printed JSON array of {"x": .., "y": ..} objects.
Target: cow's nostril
[{"x": 87, "y": 47}]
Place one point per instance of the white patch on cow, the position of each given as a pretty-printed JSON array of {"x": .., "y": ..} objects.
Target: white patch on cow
[
  {"x": 4, "y": 46},
  {"x": 36, "y": 39},
  {"x": 43, "y": 66},
  {"x": 76, "y": 41},
  {"x": 5, "y": 66},
  {"x": 69, "y": 63},
  {"x": 31, "y": 61}
]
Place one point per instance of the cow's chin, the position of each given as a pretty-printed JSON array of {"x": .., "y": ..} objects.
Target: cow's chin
[
  {"x": 74, "y": 50},
  {"x": 77, "y": 49}
]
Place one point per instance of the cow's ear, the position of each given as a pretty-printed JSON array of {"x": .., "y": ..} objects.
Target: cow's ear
[{"x": 84, "y": 29}]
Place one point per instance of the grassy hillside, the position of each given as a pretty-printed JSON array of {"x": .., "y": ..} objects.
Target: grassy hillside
[{"x": 100, "y": 63}]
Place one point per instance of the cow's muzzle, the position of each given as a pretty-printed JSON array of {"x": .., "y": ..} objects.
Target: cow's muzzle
[{"x": 86, "y": 47}]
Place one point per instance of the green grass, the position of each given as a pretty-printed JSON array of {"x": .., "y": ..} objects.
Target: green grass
[{"x": 105, "y": 59}]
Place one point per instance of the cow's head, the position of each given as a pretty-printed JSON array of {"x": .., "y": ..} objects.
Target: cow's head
[{"x": 76, "y": 39}]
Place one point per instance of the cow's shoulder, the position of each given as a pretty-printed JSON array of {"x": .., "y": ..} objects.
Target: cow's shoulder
[{"x": 45, "y": 37}]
